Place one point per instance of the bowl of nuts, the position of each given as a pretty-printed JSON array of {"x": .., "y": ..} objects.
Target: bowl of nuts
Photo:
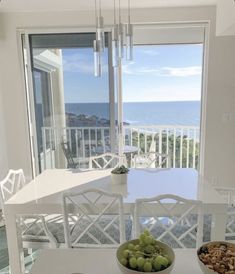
[{"x": 217, "y": 257}]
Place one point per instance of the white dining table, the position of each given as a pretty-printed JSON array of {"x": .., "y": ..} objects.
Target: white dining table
[
  {"x": 43, "y": 195},
  {"x": 101, "y": 261}
]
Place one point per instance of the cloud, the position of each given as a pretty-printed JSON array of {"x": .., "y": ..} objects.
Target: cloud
[
  {"x": 162, "y": 93},
  {"x": 81, "y": 63},
  {"x": 182, "y": 72},
  {"x": 163, "y": 71},
  {"x": 150, "y": 52},
  {"x": 127, "y": 69}
]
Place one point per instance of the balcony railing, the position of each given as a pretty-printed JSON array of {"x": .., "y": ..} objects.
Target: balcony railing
[{"x": 180, "y": 142}]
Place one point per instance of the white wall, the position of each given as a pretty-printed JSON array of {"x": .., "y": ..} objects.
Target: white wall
[
  {"x": 225, "y": 19},
  {"x": 220, "y": 136}
]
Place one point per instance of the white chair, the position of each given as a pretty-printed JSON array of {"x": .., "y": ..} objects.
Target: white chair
[
  {"x": 151, "y": 160},
  {"x": 73, "y": 162},
  {"x": 228, "y": 194},
  {"x": 171, "y": 219},
  {"x": 93, "y": 218},
  {"x": 34, "y": 230},
  {"x": 107, "y": 160}
]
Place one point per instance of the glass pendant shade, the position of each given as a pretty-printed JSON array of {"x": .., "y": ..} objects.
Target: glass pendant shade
[
  {"x": 120, "y": 40},
  {"x": 115, "y": 46},
  {"x": 117, "y": 38},
  {"x": 129, "y": 42},
  {"x": 100, "y": 31},
  {"x": 97, "y": 58},
  {"x": 129, "y": 35}
]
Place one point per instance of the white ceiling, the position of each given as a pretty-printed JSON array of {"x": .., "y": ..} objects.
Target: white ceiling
[{"x": 71, "y": 5}]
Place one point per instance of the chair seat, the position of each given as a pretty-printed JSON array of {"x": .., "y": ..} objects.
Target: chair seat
[
  {"x": 56, "y": 227},
  {"x": 35, "y": 233}
]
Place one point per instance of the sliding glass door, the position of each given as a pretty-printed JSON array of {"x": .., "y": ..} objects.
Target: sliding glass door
[{"x": 71, "y": 106}]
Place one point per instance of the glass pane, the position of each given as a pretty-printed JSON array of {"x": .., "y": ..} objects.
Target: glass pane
[
  {"x": 71, "y": 104},
  {"x": 162, "y": 103}
]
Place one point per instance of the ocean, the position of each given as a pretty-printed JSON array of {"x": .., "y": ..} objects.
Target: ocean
[{"x": 145, "y": 113}]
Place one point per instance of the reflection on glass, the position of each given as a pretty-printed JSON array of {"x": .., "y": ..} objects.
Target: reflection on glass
[{"x": 71, "y": 105}]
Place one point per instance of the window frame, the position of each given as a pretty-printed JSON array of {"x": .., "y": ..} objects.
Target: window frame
[{"x": 116, "y": 87}]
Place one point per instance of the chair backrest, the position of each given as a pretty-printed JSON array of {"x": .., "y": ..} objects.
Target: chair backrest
[
  {"x": 171, "y": 219},
  {"x": 33, "y": 227},
  {"x": 107, "y": 160},
  {"x": 230, "y": 224},
  {"x": 68, "y": 154},
  {"x": 151, "y": 160},
  {"x": 12, "y": 183},
  {"x": 228, "y": 194},
  {"x": 93, "y": 218}
]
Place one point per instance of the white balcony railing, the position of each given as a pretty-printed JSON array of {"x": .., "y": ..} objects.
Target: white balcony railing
[{"x": 180, "y": 142}]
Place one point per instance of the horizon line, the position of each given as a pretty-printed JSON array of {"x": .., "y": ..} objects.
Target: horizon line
[{"x": 134, "y": 102}]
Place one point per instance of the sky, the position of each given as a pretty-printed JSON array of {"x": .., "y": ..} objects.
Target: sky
[{"x": 157, "y": 73}]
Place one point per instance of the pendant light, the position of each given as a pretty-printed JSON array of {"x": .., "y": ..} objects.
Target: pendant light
[
  {"x": 99, "y": 42},
  {"x": 117, "y": 37},
  {"x": 120, "y": 33},
  {"x": 97, "y": 58},
  {"x": 129, "y": 35},
  {"x": 114, "y": 38}
]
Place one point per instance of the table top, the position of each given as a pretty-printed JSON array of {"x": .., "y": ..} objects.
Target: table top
[
  {"x": 49, "y": 186},
  {"x": 101, "y": 261}
]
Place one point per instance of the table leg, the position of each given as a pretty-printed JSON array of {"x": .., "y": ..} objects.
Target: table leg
[{"x": 15, "y": 247}]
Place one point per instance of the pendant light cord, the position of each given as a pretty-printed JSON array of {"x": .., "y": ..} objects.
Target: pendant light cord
[
  {"x": 119, "y": 11},
  {"x": 114, "y": 12},
  {"x": 129, "y": 11},
  {"x": 95, "y": 11},
  {"x": 100, "y": 7}
]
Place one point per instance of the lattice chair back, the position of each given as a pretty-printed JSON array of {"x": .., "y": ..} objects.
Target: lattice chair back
[
  {"x": 152, "y": 160},
  {"x": 171, "y": 219},
  {"x": 107, "y": 160},
  {"x": 68, "y": 155},
  {"x": 230, "y": 224},
  {"x": 93, "y": 218},
  {"x": 13, "y": 182},
  {"x": 33, "y": 227},
  {"x": 228, "y": 194}
]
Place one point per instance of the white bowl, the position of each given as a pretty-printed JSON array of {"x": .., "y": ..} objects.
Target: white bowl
[
  {"x": 169, "y": 251},
  {"x": 204, "y": 267}
]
